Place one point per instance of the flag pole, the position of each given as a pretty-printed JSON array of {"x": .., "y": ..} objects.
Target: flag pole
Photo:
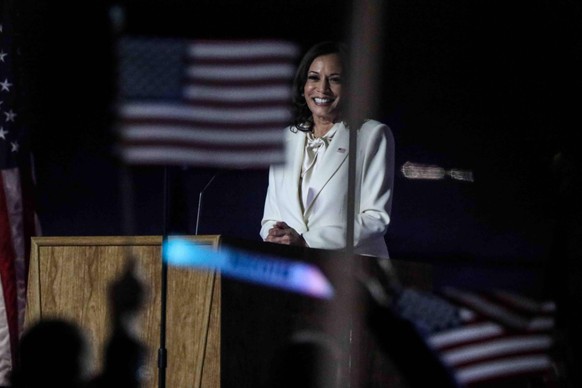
[
  {"x": 366, "y": 33},
  {"x": 365, "y": 42},
  {"x": 162, "y": 352}
]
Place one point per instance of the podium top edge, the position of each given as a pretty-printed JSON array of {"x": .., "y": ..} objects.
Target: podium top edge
[{"x": 115, "y": 240}]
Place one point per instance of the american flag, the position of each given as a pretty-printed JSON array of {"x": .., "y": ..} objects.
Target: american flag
[
  {"x": 499, "y": 335},
  {"x": 204, "y": 103},
  {"x": 17, "y": 222}
]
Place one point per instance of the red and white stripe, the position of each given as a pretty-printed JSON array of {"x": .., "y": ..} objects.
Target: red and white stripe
[
  {"x": 503, "y": 335},
  {"x": 17, "y": 225},
  {"x": 235, "y": 105}
]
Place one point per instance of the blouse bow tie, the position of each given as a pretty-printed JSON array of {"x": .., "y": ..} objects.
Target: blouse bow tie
[{"x": 315, "y": 143}]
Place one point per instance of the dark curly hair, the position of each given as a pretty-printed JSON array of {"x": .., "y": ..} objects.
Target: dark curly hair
[{"x": 303, "y": 119}]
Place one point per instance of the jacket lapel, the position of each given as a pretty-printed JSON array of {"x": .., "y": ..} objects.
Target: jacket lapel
[
  {"x": 334, "y": 157},
  {"x": 296, "y": 148}
]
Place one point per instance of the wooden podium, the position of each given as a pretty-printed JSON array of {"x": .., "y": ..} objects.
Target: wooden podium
[
  {"x": 214, "y": 324},
  {"x": 69, "y": 278}
]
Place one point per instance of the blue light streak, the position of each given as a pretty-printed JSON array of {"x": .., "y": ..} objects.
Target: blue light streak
[{"x": 269, "y": 271}]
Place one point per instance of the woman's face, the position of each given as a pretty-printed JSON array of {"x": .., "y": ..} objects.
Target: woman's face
[{"x": 323, "y": 88}]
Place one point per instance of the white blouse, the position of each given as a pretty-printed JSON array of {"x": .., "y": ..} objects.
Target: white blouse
[{"x": 315, "y": 148}]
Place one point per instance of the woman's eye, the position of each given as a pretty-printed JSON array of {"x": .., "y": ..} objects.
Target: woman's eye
[
  {"x": 313, "y": 78},
  {"x": 336, "y": 80}
]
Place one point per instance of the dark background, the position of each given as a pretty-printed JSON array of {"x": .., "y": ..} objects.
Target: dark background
[{"x": 487, "y": 86}]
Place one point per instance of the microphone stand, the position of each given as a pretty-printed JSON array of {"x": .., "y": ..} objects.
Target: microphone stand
[
  {"x": 200, "y": 201},
  {"x": 162, "y": 352}
]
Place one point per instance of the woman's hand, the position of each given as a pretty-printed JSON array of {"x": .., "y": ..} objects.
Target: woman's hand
[{"x": 281, "y": 233}]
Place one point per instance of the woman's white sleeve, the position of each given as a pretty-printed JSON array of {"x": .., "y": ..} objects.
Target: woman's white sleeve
[{"x": 271, "y": 212}]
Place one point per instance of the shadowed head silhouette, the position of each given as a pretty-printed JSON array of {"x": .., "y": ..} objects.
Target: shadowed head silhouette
[{"x": 50, "y": 354}]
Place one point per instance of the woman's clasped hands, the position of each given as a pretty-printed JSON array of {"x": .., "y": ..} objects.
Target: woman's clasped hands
[{"x": 281, "y": 233}]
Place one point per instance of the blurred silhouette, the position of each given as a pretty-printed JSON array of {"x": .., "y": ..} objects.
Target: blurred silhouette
[
  {"x": 565, "y": 267},
  {"x": 394, "y": 319},
  {"x": 50, "y": 354},
  {"x": 124, "y": 354},
  {"x": 309, "y": 360}
]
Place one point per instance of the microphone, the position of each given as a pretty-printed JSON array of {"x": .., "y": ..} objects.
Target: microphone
[{"x": 200, "y": 201}]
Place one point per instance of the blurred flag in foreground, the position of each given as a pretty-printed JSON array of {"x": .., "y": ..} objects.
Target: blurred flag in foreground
[
  {"x": 16, "y": 210},
  {"x": 204, "y": 103},
  {"x": 499, "y": 335}
]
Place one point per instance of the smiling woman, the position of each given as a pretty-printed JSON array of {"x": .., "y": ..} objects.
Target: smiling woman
[
  {"x": 307, "y": 197},
  {"x": 323, "y": 92}
]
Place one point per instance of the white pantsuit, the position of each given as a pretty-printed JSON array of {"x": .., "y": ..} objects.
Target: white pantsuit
[{"x": 322, "y": 223}]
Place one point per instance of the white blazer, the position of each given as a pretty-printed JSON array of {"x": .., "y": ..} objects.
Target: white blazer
[{"x": 322, "y": 224}]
